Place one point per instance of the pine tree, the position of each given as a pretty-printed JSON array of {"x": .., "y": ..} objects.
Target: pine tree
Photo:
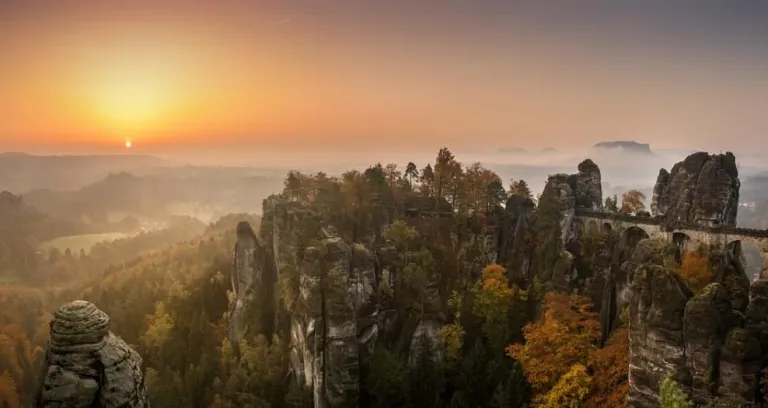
[
  {"x": 472, "y": 386},
  {"x": 514, "y": 392},
  {"x": 427, "y": 379},
  {"x": 296, "y": 397}
]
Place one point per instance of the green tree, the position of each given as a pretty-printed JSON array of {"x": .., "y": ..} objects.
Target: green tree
[
  {"x": 387, "y": 379},
  {"x": 427, "y": 379},
  {"x": 519, "y": 188},
  {"x": 427, "y": 181},
  {"x": 495, "y": 195},
  {"x": 472, "y": 388},
  {"x": 411, "y": 172},
  {"x": 514, "y": 392},
  {"x": 401, "y": 234},
  {"x": 671, "y": 395}
]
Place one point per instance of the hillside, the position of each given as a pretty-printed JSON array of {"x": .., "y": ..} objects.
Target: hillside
[
  {"x": 203, "y": 192},
  {"x": 435, "y": 286},
  {"x": 20, "y": 172}
]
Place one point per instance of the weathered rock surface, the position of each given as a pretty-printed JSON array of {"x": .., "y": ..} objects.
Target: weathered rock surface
[
  {"x": 580, "y": 191},
  {"x": 339, "y": 314},
  {"x": 712, "y": 352},
  {"x": 515, "y": 223},
  {"x": 589, "y": 186},
  {"x": 703, "y": 189},
  {"x": 557, "y": 185},
  {"x": 657, "y": 344},
  {"x": 87, "y": 366}
]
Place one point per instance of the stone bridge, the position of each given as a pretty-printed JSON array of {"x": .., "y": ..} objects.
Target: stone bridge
[{"x": 686, "y": 236}]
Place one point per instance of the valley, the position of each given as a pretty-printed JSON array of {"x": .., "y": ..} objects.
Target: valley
[{"x": 369, "y": 288}]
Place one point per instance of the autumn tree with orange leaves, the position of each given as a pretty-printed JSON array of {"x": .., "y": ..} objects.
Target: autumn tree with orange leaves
[
  {"x": 565, "y": 336},
  {"x": 632, "y": 202},
  {"x": 696, "y": 270}
]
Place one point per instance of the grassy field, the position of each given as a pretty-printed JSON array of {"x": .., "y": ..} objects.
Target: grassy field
[{"x": 77, "y": 242}]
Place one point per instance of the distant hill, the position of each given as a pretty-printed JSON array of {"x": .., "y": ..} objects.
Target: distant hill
[
  {"x": 628, "y": 146},
  {"x": 202, "y": 192},
  {"x": 22, "y": 229},
  {"x": 512, "y": 150},
  {"x": 21, "y": 172}
]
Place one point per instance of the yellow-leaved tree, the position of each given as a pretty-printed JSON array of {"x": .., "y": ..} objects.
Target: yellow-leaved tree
[
  {"x": 571, "y": 390},
  {"x": 696, "y": 270},
  {"x": 565, "y": 336},
  {"x": 9, "y": 396},
  {"x": 492, "y": 296}
]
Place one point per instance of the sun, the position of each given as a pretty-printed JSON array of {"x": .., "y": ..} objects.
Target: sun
[{"x": 128, "y": 144}]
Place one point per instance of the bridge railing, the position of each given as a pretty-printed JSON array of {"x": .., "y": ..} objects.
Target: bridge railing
[
  {"x": 672, "y": 226},
  {"x": 619, "y": 217}
]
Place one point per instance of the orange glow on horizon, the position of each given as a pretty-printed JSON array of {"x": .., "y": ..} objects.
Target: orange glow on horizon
[{"x": 197, "y": 75}]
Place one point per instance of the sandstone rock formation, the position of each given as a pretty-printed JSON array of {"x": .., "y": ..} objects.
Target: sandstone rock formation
[
  {"x": 580, "y": 191},
  {"x": 588, "y": 186},
  {"x": 338, "y": 315},
  {"x": 87, "y": 366},
  {"x": 516, "y": 222},
  {"x": 657, "y": 344},
  {"x": 557, "y": 185},
  {"x": 703, "y": 189},
  {"x": 712, "y": 350}
]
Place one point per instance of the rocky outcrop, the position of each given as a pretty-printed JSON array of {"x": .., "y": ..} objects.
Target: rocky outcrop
[
  {"x": 87, "y": 366},
  {"x": 711, "y": 349},
  {"x": 703, "y": 189},
  {"x": 589, "y": 186},
  {"x": 705, "y": 326},
  {"x": 580, "y": 191},
  {"x": 248, "y": 276},
  {"x": 516, "y": 222},
  {"x": 657, "y": 344},
  {"x": 344, "y": 294},
  {"x": 558, "y": 186}
]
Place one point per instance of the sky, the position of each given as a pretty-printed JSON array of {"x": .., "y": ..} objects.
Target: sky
[{"x": 373, "y": 76}]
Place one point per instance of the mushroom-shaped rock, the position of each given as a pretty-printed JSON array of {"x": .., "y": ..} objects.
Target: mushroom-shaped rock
[{"x": 89, "y": 366}]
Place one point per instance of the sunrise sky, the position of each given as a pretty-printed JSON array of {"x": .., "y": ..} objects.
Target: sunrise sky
[{"x": 89, "y": 75}]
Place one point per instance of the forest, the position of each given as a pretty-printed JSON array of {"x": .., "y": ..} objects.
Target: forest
[{"x": 512, "y": 337}]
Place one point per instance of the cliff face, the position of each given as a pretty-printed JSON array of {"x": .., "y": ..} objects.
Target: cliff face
[
  {"x": 711, "y": 343},
  {"x": 579, "y": 191},
  {"x": 588, "y": 186},
  {"x": 515, "y": 224},
  {"x": 703, "y": 189},
  {"x": 337, "y": 315},
  {"x": 87, "y": 365}
]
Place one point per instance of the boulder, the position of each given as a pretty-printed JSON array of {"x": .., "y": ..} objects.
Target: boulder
[{"x": 88, "y": 366}]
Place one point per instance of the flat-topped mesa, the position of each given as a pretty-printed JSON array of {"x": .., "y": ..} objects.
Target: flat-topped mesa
[
  {"x": 87, "y": 365},
  {"x": 703, "y": 190}
]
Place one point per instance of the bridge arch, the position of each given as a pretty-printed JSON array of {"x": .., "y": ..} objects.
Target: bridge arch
[
  {"x": 683, "y": 243},
  {"x": 632, "y": 235},
  {"x": 592, "y": 227},
  {"x": 753, "y": 254},
  {"x": 606, "y": 228}
]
